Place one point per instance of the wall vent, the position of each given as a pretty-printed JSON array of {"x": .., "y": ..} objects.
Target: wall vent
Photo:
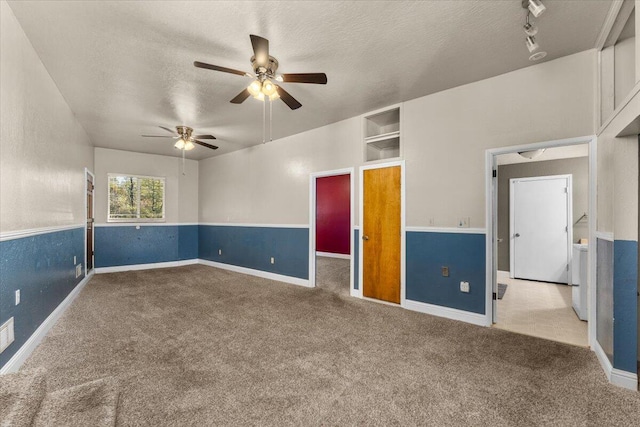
[{"x": 6, "y": 334}]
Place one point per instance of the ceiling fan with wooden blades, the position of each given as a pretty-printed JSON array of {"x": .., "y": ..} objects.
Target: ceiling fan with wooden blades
[
  {"x": 186, "y": 140},
  {"x": 265, "y": 67}
]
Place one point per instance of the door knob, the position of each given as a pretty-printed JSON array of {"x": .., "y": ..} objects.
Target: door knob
[
  {"x": 365, "y": 237},
  {"x": 517, "y": 234}
]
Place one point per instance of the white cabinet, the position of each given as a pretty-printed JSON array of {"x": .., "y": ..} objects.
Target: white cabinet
[{"x": 382, "y": 135}]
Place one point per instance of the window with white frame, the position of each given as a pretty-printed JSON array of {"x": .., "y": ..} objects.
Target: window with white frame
[{"x": 134, "y": 198}]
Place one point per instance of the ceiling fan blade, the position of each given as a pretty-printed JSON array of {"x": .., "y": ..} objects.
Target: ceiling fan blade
[
  {"x": 173, "y": 131},
  {"x": 158, "y": 136},
  {"x": 288, "y": 99},
  {"x": 218, "y": 68},
  {"x": 241, "y": 97},
  {"x": 204, "y": 144},
  {"x": 203, "y": 136},
  {"x": 260, "y": 49},
  {"x": 317, "y": 78}
]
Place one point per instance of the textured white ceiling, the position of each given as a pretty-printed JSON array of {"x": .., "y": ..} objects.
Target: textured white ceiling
[{"x": 126, "y": 67}]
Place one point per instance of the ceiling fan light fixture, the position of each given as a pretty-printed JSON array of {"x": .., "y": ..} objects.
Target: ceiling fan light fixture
[
  {"x": 531, "y": 44},
  {"x": 254, "y": 88},
  {"x": 275, "y": 95},
  {"x": 268, "y": 88},
  {"x": 189, "y": 146},
  {"x": 179, "y": 144},
  {"x": 536, "y": 7}
]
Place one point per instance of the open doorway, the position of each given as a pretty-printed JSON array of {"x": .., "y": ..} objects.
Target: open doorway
[
  {"x": 540, "y": 230},
  {"x": 89, "y": 210},
  {"x": 331, "y": 231}
]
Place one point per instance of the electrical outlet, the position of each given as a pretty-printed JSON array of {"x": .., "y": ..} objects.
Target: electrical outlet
[
  {"x": 464, "y": 287},
  {"x": 445, "y": 271},
  {"x": 273, "y": 260},
  {"x": 17, "y": 296},
  {"x": 464, "y": 222},
  {"x": 78, "y": 270},
  {"x": 219, "y": 251}
]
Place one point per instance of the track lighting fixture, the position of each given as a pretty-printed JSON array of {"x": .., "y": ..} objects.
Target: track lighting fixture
[{"x": 535, "y": 6}]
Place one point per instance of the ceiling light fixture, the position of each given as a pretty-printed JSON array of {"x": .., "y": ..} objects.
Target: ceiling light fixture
[
  {"x": 531, "y": 154},
  {"x": 535, "y": 6}
]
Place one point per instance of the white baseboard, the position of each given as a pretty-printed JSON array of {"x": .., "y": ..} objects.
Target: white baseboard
[
  {"x": 119, "y": 268},
  {"x": 355, "y": 293},
  {"x": 617, "y": 377},
  {"x": 257, "y": 273},
  {"x": 14, "y": 364},
  {"x": 602, "y": 358},
  {"x": 332, "y": 255},
  {"x": 624, "y": 379},
  {"x": 449, "y": 313}
]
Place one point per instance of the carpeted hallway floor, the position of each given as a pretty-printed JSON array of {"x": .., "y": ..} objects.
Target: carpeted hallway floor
[{"x": 201, "y": 346}]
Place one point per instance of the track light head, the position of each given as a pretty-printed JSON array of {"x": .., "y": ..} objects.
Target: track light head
[
  {"x": 531, "y": 44},
  {"x": 530, "y": 29},
  {"x": 535, "y": 7}
]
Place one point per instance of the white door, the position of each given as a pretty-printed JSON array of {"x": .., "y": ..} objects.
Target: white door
[{"x": 540, "y": 228}]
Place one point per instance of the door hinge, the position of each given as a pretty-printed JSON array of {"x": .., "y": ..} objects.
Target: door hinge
[
  {"x": 566, "y": 229},
  {"x": 566, "y": 190},
  {"x": 495, "y": 173},
  {"x": 495, "y": 296},
  {"x": 567, "y": 267}
]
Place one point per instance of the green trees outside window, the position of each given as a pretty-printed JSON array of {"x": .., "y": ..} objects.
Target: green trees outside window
[{"x": 136, "y": 197}]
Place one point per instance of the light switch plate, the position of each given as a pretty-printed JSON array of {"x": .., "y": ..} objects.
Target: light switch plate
[{"x": 17, "y": 296}]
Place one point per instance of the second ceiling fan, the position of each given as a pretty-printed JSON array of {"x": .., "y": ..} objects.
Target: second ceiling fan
[{"x": 265, "y": 67}]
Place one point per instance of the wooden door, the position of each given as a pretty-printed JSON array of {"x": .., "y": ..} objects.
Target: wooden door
[
  {"x": 89, "y": 249},
  {"x": 540, "y": 221},
  {"x": 381, "y": 234}
]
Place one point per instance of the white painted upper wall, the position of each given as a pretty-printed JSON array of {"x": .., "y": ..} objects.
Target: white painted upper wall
[
  {"x": 181, "y": 191},
  {"x": 43, "y": 148},
  {"x": 445, "y": 136}
]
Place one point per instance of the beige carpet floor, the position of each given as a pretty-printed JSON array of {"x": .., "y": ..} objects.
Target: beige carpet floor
[{"x": 201, "y": 346}]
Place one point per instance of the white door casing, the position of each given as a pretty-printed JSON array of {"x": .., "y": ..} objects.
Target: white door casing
[{"x": 541, "y": 228}]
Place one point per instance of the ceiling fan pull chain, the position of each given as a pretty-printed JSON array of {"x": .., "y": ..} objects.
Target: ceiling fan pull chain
[
  {"x": 264, "y": 122},
  {"x": 183, "y": 162},
  {"x": 270, "y": 120}
]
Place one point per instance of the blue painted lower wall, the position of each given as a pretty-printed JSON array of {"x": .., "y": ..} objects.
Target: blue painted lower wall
[
  {"x": 42, "y": 268},
  {"x": 126, "y": 245},
  {"x": 625, "y": 306},
  {"x": 253, "y": 247},
  {"x": 464, "y": 254}
]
